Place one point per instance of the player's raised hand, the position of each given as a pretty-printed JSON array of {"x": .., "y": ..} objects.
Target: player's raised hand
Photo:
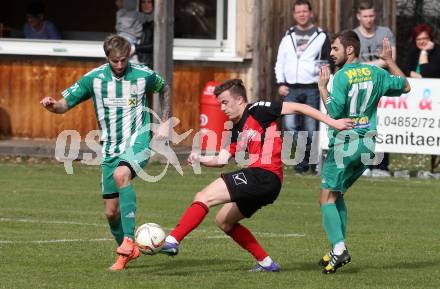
[
  {"x": 324, "y": 76},
  {"x": 387, "y": 52},
  {"x": 428, "y": 45},
  {"x": 193, "y": 158},
  {"x": 343, "y": 124},
  {"x": 55, "y": 106},
  {"x": 52, "y": 105},
  {"x": 47, "y": 102}
]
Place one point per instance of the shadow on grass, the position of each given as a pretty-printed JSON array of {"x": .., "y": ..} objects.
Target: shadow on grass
[
  {"x": 185, "y": 267},
  {"x": 352, "y": 269},
  {"x": 309, "y": 266}
]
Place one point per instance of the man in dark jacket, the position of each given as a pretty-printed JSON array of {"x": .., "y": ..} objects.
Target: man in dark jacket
[{"x": 144, "y": 49}]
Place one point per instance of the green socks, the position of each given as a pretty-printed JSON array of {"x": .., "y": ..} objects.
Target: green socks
[
  {"x": 332, "y": 223},
  {"x": 342, "y": 209},
  {"x": 118, "y": 233},
  {"x": 127, "y": 206}
]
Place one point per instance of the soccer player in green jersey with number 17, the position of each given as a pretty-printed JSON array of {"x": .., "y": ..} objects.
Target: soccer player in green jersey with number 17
[
  {"x": 354, "y": 92},
  {"x": 119, "y": 91}
]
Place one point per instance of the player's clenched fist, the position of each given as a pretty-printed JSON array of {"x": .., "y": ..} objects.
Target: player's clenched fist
[
  {"x": 53, "y": 105},
  {"x": 47, "y": 101}
]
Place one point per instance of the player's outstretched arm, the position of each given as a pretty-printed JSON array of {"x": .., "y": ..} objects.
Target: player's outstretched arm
[
  {"x": 163, "y": 132},
  {"x": 293, "y": 107},
  {"x": 165, "y": 102},
  {"x": 53, "y": 105},
  {"x": 210, "y": 161}
]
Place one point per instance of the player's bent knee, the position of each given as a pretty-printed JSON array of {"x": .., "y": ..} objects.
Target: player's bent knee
[
  {"x": 121, "y": 177},
  {"x": 209, "y": 198},
  {"x": 201, "y": 197},
  {"x": 112, "y": 215},
  {"x": 222, "y": 224},
  {"x": 329, "y": 198},
  {"x": 225, "y": 227}
]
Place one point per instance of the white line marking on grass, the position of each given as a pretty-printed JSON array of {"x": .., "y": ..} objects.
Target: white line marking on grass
[
  {"x": 55, "y": 241},
  {"x": 271, "y": 235},
  {"x": 51, "y": 222},
  {"x": 42, "y": 242},
  {"x": 259, "y": 234}
]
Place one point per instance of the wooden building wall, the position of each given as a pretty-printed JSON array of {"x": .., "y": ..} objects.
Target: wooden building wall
[
  {"x": 26, "y": 80},
  {"x": 189, "y": 78}
]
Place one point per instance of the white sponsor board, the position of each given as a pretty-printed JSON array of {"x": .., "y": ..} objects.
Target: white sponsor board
[{"x": 407, "y": 124}]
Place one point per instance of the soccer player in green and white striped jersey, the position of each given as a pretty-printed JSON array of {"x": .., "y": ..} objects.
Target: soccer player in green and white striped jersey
[
  {"x": 119, "y": 91},
  {"x": 355, "y": 92}
]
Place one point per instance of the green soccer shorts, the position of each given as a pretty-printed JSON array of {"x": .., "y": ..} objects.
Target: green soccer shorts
[
  {"x": 135, "y": 158},
  {"x": 346, "y": 160}
]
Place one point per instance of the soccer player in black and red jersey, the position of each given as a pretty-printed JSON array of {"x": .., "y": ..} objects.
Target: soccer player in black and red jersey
[{"x": 245, "y": 191}]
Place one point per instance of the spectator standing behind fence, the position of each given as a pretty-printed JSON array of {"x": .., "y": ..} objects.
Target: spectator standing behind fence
[
  {"x": 129, "y": 23},
  {"x": 371, "y": 38},
  {"x": 423, "y": 60},
  {"x": 144, "y": 50},
  {"x": 301, "y": 52},
  {"x": 36, "y": 27}
]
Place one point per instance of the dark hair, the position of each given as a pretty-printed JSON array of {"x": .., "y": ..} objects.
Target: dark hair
[
  {"x": 116, "y": 43},
  {"x": 349, "y": 38},
  {"x": 365, "y": 5},
  {"x": 140, "y": 4},
  {"x": 302, "y": 2},
  {"x": 422, "y": 28},
  {"x": 35, "y": 8},
  {"x": 235, "y": 87}
]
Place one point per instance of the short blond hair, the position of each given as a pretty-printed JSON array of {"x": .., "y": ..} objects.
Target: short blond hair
[{"x": 118, "y": 44}]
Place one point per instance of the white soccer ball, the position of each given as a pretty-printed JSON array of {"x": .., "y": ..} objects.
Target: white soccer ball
[{"x": 149, "y": 238}]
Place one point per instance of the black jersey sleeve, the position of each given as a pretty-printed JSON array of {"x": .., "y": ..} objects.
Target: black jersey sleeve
[
  {"x": 266, "y": 111},
  {"x": 232, "y": 147}
]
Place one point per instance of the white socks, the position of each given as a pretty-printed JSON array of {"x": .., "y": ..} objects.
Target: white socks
[
  {"x": 266, "y": 262},
  {"x": 171, "y": 239},
  {"x": 339, "y": 248}
]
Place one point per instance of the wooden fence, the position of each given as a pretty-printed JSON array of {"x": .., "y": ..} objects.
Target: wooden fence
[{"x": 26, "y": 80}]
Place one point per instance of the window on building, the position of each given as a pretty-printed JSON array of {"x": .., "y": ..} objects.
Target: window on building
[
  {"x": 203, "y": 28},
  {"x": 201, "y": 21}
]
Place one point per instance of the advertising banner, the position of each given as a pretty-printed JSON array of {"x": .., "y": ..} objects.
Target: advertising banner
[{"x": 407, "y": 124}]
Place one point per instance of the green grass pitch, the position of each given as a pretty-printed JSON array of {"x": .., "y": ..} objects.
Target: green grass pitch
[{"x": 53, "y": 234}]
